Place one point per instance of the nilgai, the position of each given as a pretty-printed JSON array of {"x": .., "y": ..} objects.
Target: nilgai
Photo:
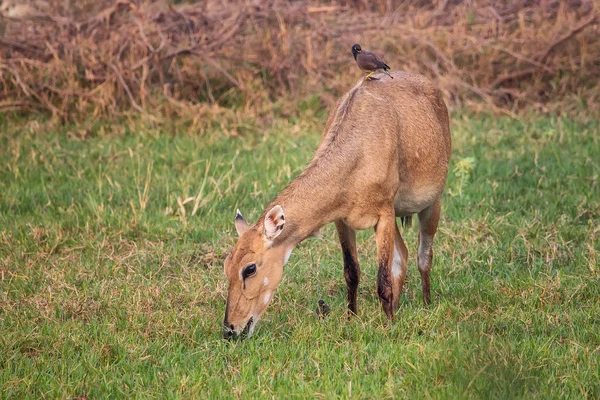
[{"x": 383, "y": 154}]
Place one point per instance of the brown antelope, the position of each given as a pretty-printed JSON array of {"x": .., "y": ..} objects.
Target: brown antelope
[{"x": 383, "y": 154}]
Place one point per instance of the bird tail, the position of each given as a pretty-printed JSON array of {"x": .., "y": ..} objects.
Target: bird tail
[{"x": 388, "y": 74}]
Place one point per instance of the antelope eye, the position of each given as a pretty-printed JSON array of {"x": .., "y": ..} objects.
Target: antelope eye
[{"x": 249, "y": 271}]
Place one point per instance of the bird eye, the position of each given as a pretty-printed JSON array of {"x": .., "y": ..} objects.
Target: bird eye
[{"x": 249, "y": 271}]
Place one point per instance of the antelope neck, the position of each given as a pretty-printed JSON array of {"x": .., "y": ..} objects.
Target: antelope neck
[{"x": 309, "y": 202}]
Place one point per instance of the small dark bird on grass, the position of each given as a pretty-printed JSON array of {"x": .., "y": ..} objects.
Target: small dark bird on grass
[
  {"x": 322, "y": 309},
  {"x": 369, "y": 62}
]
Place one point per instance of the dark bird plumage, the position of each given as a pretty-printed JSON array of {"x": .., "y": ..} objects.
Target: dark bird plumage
[
  {"x": 369, "y": 62},
  {"x": 322, "y": 309}
]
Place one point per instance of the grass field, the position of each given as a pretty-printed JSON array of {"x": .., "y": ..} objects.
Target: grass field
[{"x": 111, "y": 280}]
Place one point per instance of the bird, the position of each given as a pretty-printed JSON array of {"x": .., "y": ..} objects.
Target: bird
[
  {"x": 369, "y": 62},
  {"x": 322, "y": 309}
]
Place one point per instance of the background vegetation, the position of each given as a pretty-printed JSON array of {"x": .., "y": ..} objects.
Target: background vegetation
[{"x": 243, "y": 59}]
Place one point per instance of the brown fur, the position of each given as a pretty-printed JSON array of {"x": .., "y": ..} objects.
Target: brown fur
[{"x": 383, "y": 154}]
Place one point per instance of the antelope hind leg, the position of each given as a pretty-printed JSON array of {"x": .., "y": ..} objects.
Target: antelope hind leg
[
  {"x": 385, "y": 237},
  {"x": 428, "y": 223},
  {"x": 399, "y": 262}
]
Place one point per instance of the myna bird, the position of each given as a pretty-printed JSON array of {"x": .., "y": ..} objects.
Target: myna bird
[
  {"x": 369, "y": 62},
  {"x": 322, "y": 309}
]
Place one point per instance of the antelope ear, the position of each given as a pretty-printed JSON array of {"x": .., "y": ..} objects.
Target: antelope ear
[
  {"x": 240, "y": 223},
  {"x": 274, "y": 222}
]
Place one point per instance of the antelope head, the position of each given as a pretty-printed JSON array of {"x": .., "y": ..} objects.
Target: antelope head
[{"x": 253, "y": 269}]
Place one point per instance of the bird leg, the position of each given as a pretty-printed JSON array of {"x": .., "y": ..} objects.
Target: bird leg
[{"x": 368, "y": 77}]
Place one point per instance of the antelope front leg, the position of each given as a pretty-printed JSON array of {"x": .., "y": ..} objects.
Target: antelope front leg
[
  {"x": 385, "y": 236},
  {"x": 351, "y": 266},
  {"x": 428, "y": 223}
]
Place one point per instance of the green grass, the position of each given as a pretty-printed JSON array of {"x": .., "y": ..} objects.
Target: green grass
[{"x": 112, "y": 287}]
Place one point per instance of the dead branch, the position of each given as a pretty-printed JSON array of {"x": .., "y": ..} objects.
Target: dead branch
[
  {"x": 541, "y": 57},
  {"x": 512, "y": 76},
  {"x": 126, "y": 87}
]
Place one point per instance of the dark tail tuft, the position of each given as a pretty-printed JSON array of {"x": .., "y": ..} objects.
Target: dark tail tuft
[{"x": 406, "y": 221}]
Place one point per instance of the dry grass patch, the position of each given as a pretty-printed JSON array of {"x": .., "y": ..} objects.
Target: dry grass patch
[{"x": 210, "y": 61}]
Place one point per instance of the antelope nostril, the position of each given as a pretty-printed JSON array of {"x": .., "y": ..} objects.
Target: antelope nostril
[
  {"x": 227, "y": 333},
  {"x": 231, "y": 327}
]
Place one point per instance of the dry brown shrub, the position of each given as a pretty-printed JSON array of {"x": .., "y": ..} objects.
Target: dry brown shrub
[{"x": 195, "y": 61}]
